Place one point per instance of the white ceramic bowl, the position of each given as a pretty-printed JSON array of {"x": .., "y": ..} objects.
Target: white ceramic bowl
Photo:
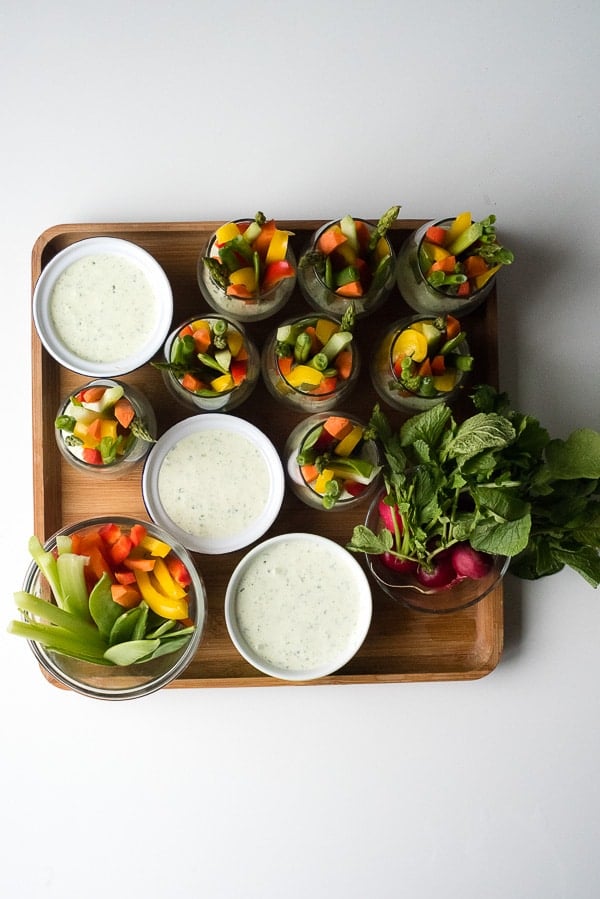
[
  {"x": 298, "y": 607},
  {"x": 215, "y": 482},
  {"x": 102, "y": 307}
]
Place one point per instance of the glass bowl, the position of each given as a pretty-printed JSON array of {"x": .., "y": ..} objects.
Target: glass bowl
[
  {"x": 215, "y": 481},
  {"x": 117, "y": 681},
  {"x": 226, "y": 374},
  {"x": 411, "y": 276},
  {"x": 263, "y": 302},
  {"x": 416, "y": 364},
  {"x": 298, "y": 607},
  {"x": 329, "y": 464},
  {"x": 404, "y": 587},
  {"x": 105, "y": 427},
  {"x": 317, "y": 270},
  {"x": 300, "y": 384},
  {"x": 102, "y": 307}
]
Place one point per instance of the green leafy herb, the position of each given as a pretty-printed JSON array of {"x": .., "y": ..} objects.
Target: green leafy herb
[{"x": 496, "y": 480}]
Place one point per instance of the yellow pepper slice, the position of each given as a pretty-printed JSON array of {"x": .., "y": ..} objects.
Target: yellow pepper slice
[
  {"x": 235, "y": 341},
  {"x": 278, "y": 245},
  {"x": 166, "y": 606},
  {"x": 320, "y": 484},
  {"x": 155, "y": 546},
  {"x": 226, "y": 232},
  {"x": 349, "y": 442},
  {"x": 245, "y": 276},
  {"x": 108, "y": 428},
  {"x": 324, "y": 328},
  {"x": 446, "y": 382},
  {"x": 462, "y": 221},
  {"x": 222, "y": 383},
  {"x": 304, "y": 374},
  {"x": 410, "y": 343},
  {"x": 167, "y": 583}
]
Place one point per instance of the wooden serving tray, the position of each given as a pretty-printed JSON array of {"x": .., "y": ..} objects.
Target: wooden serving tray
[{"x": 401, "y": 645}]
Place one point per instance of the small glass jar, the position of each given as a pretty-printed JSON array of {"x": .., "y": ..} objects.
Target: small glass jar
[
  {"x": 328, "y": 462},
  {"x": 232, "y": 364},
  {"x": 411, "y": 277},
  {"x": 377, "y": 279},
  {"x": 400, "y": 384},
  {"x": 105, "y": 435},
  {"x": 402, "y": 584},
  {"x": 262, "y": 305},
  {"x": 119, "y": 682},
  {"x": 301, "y": 385}
]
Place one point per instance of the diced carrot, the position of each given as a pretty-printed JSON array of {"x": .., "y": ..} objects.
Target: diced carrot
[
  {"x": 309, "y": 472},
  {"x": 343, "y": 364},
  {"x": 474, "y": 265},
  {"x": 437, "y": 235},
  {"x": 94, "y": 430},
  {"x": 261, "y": 243},
  {"x": 315, "y": 344},
  {"x": 97, "y": 564},
  {"x": 327, "y": 385},
  {"x": 352, "y": 289},
  {"x": 186, "y": 331},
  {"x": 330, "y": 239},
  {"x": 464, "y": 289},
  {"x": 337, "y": 426},
  {"x": 91, "y": 456},
  {"x": 425, "y": 368},
  {"x": 285, "y": 365},
  {"x": 447, "y": 264},
  {"x": 124, "y": 412},
  {"x": 202, "y": 338},
  {"x": 239, "y": 291},
  {"x": 452, "y": 327},
  {"x": 125, "y": 577},
  {"x": 135, "y": 564},
  {"x": 92, "y": 394},
  {"x": 191, "y": 382},
  {"x": 125, "y": 595},
  {"x": 438, "y": 365}
]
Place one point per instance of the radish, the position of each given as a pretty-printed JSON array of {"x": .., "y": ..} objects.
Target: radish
[
  {"x": 469, "y": 562},
  {"x": 390, "y": 516},
  {"x": 401, "y": 566},
  {"x": 441, "y": 575}
]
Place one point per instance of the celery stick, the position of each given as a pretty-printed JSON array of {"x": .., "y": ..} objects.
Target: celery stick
[
  {"x": 27, "y": 602},
  {"x": 56, "y": 639},
  {"x": 70, "y": 568},
  {"x": 46, "y": 562}
]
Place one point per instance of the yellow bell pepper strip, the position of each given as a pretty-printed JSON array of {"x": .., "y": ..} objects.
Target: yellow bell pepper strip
[
  {"x": 155, "y": 546},
  {"x": 163, "y": 605},
  {"x": 167, "y": 582},
  {"x": 278, "y": 246}
]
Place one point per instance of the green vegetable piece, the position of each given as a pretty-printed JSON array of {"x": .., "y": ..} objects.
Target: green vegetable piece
[
  {"x": 65, "y": 422},
  {"x": 131, "y": 651},
  {"x": 452, "y": 344},
  {"x": 302, "y": 347},
  {"x": 103, "y": 609},
  {"x": 348, "y": 229},
  {"x": 336, "y": 343},
  {"x": 468, "y": 237},
  {"x": 124, "y": 626},
  {"x": 56, "y": 639},
  {"x": 347, "y": 275},
  {"x": 139, "y": 631},
  {"x": 48, "y": 612},
  {"x": 383, "y": 225},
  {"x": 46, "y": 562},
  {"x": 70, "y": 567},
  {"x": 319, "y": 361}
]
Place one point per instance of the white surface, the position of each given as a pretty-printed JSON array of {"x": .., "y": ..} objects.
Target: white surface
[{"x": 313, "y": 110}]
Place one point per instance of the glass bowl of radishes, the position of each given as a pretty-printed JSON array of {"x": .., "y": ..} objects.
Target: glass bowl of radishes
[{"x": 449, "y": 579}]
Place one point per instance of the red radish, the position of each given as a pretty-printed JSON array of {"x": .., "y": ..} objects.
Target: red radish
[
  {"x": 441, "y": 576},
  {"x": 401, "y": 566},
  {"x": 389, "y": 515},
  {"x": 469, "y": 562}
]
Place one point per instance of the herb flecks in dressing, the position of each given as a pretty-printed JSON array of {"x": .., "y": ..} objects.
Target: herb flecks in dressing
[{"x": 104, "y": 307}]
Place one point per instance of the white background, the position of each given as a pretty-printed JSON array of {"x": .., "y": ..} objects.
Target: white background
[{"x": 181, "y": 111}]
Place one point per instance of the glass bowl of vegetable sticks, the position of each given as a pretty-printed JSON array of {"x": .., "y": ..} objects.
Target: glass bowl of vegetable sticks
[
  {"x": 105, "y": 427},
  {"x": 247, "y": 269},
  {"x": 450, "y": 265},
  {"x": 113, "y": 607},
  {"x": 210, "y": 363}
]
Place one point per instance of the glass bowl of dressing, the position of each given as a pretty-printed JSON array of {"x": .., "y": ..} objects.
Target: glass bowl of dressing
[
  {"x": 298, "y": 607},
  {"x": 102, "y": 307},
  {"x": 214, "y": 481}
]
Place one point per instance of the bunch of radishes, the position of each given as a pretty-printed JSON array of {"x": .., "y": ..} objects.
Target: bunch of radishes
[{"x": 447, "y": 566}]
